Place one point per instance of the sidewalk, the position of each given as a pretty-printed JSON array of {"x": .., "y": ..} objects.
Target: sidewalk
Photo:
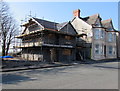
[
  {"x": 35, "y": 67},
  {"x": 56, "y": 64}
]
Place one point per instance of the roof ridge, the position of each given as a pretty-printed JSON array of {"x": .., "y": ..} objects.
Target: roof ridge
[
  {"x": 95, "y": 14},
  {"x": 107, "y": 20},
  {"x": 46, "y": 20}
]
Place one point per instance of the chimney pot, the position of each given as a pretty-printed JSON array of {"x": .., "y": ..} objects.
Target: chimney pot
[{"x": 76, "y": 13}]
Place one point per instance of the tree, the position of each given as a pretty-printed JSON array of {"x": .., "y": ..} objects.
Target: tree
[{"x": 8, "y": 28}]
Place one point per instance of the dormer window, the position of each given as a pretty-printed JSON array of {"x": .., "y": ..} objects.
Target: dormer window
[{"x": 97, "y": 25}]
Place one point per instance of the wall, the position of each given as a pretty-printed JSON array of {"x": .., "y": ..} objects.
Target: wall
[
  {"x": 118, "y": 45},
  {"x": 66, "y": 57},
  {"x": 104, "y": 46}
]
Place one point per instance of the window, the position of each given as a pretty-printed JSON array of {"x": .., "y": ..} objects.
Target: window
[
  {"x": 114, "y": 36},
  {"x": 110, "y": 37},
  {"x": 97, "y": 48},
  {"x": 68, "y": 37},
  {"x": 50, "y": 35},
  {"x": 110, "y": 50},
  {"x": 97, "y": 25},
  {"x": 99, "y": 34},
  {"x": 102, "y": 34}
]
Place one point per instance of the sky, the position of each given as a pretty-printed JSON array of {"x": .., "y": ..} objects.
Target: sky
[{"x": 63, "y": 11}]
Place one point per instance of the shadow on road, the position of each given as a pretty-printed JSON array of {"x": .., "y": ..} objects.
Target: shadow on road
[
  {"x": 107, "y": 67},
  {"x": 14, "y": 79}
]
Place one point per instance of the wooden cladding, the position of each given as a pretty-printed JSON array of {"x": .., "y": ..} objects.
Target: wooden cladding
[{"x": 68, "y": 37}]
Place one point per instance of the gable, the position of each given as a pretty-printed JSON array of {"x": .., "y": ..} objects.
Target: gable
[
  {"x": 98, "y": 23},
  {"x": 32, "y": 27},
  {"x": 81, "y": 26},
  {"x": 68, "y": 28},
  {"x": 108, "y": 25},
  {"x": 46, "y": 24}
]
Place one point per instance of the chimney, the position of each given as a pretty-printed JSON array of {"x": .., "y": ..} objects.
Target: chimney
[{"x": 76, "y": 13}]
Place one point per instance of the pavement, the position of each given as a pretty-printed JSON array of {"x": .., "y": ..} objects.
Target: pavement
[
  {"x": 55, "y": 64},
  {"x": 79, "y": 76},
  {"x": 35, "y": 67}
]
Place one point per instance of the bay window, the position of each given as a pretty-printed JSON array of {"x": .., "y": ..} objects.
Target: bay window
[{"x": 99, "y": 34}]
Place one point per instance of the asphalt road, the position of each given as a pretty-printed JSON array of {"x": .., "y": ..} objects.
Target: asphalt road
[{"x": 81, "y": 76}]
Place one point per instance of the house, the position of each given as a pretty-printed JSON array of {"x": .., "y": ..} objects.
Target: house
[
  {"x": 118, "y": 44},
  {"x": 79, "y": 39},
  {"x": 48, "y": 41},
  {"x": 98, "y": 40}
]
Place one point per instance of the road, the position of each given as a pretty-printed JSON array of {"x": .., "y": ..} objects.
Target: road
[{"x": 80, "y": 76}]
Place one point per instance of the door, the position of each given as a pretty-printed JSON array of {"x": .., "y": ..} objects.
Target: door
[
  {"x": 53, "y": 55},
  {"x": 105, "y": 50}
]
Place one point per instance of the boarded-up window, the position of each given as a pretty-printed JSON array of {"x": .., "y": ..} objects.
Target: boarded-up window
[
  {"x": 68, "y": 37},
  {"x": 51, "y": 35},
  {"x": 67, "y": 52}
]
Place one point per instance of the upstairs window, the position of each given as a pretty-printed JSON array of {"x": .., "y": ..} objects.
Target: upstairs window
[
  {"x": 97, "y": 25},
  {"x": 97, "y": 33},
  {"x": 110, "y": 37},
  {"x": 114, "y": 36},
  {"x": 68, "y": 37},
  {"x": 102, "y": 34}
]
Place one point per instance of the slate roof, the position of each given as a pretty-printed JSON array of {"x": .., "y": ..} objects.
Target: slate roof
[
  {"x": 91, "y": 19},
  {"x": 51, "y": 25},
  {"x": 47, "y": 24},
  {"x": 61, "y": 25},
  {"x": 106, "y": 23}
]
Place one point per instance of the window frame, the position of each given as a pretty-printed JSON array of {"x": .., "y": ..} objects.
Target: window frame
[
  {"x": 97, "y": 50},
  {"x": 110, "y": 51}
]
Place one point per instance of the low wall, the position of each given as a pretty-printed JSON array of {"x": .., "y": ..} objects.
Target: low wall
[{"x": 21, "y": 63}]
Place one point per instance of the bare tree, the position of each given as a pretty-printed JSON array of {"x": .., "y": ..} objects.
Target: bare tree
[{"x": 8, "y": 28}]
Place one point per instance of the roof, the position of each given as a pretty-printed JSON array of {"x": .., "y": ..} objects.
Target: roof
[
  {"x": 91, "y": 19},
  {"x": 47, "y": 24},
  {"x": 61, "y": 25},
  {"x": 106, "y": 23},
  {"x": 50, "y": 25}
]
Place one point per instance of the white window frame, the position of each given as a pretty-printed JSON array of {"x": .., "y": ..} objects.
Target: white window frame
[
  {"x": 110, "y": 51},
  {"x": 97, "y": 48},
  {"x": 99, "y": 33},
  {"x": 110, "y": 37}
]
